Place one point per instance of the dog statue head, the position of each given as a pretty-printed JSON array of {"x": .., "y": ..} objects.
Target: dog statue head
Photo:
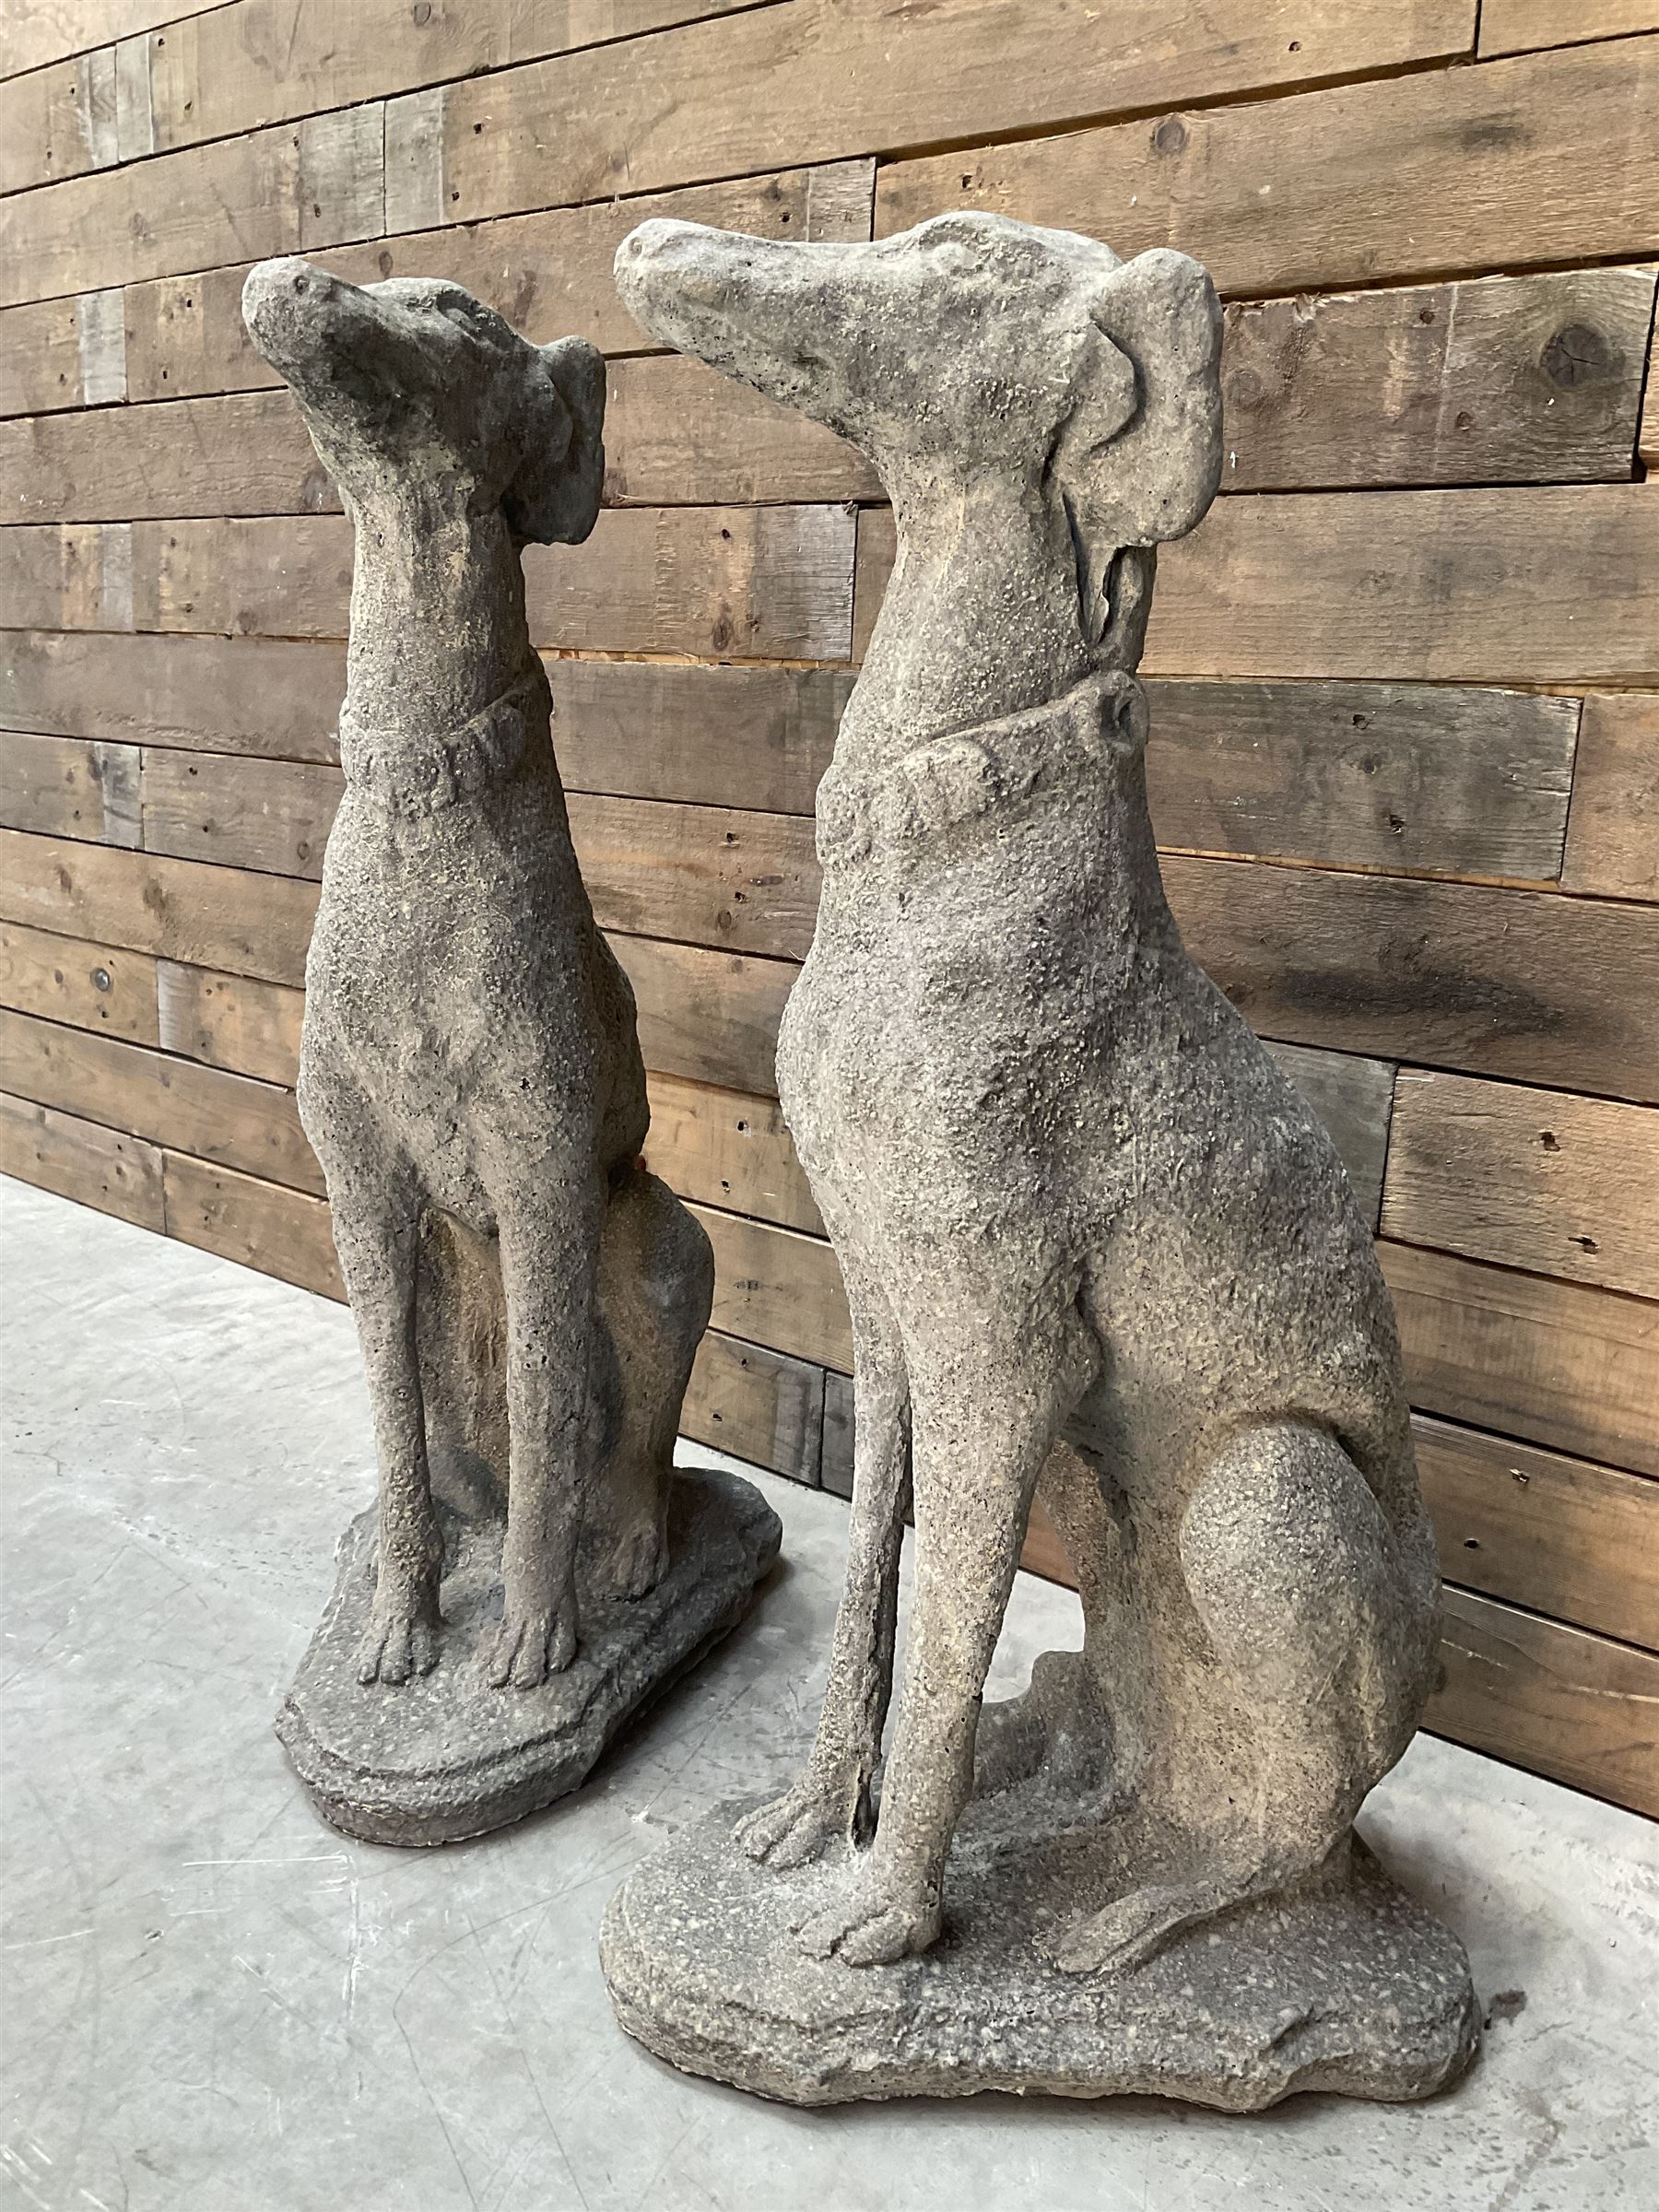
[
  {"x": 971, "y": 345},
  {"x": 414, "y": 385}
]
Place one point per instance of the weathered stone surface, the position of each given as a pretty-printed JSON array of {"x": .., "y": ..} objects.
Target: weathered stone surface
[
  {"x": 1095, "y": 1245},
  {"x": 527, "y": 1297},
  {"x": 1351, "y": 1987},
  {"x": 448, "y": 1757}
]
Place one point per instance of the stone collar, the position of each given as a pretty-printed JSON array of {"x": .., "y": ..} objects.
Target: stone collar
[{"x": 412, "y": 781}]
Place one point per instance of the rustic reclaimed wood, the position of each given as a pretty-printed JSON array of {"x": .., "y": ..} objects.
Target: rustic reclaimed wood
[
  {"x": 272, "y": 815},
  {"x": 78, "y": 1159},
  {"x": 674, "y": 109},
  {"x": 1428, "y": 174},
  {"x": 287, "y": 190},
  {"x": 1406, "y": 778},
  {"x": 183, "y": 910},
  {"x": 774, "y": 1285},
  {"x": 678, "y": 431},
  {"x": 275, "y": 697},
  {"x": 247, "y": 453},
  {"x": 1524, "y": 984},
  {"x": 33, "y": 36},
  {"x": 758, "y": 738},
  {"x": 728, "y": 1148},
  {"x": 233, "y": 1021},
  {"x": 1516, "y": 26},
  {"x": 712, "y": 581},
  {"x": 709, "y": 875},
  {"x": 1560, "y": 1364},
  {"x": 260, "y": 61},
  {"x": 547, "y": 272},
  {"x": 1551, "y": 1697},
  {"x": 258, "y": 1224},
  {"x": 1510, "y": 380},
  {"x": 41, "y": 362},
  {"x": 74, "y": 980},
  {"x": 759, "y": 1404},
  {"x": 1352, "y": 1097},
  {"x": 1535, "y": 1179},
  {"x": 228, "y": 1119},
  {"x": 1506, "y": 586},
  {"x": 1563, "y": 1536},
  {"x": 1612, "y": 831},
  {"x": 712, "y": 1016},
  {"x": 70, "y": 787}
]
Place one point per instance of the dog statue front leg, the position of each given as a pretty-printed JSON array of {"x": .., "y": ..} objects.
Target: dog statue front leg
[
  {"x": 983, "y": 1425},
  {"x": 831, "y": 1799},
  {"x": 548, "y": 1268},
  {"x": 376, "y": 1227}
]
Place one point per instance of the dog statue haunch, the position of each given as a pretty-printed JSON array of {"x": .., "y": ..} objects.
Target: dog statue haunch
[
  {"x": 1095, "y": 1245},
  {"x": 470, "y": 1077}
]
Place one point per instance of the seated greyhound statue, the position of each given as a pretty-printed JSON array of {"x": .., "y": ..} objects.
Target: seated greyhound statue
[
  {"x": 471, "y": 1081},
  {"x": 1095, "y": 1245}
]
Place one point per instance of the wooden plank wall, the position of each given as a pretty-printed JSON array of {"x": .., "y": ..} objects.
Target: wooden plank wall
[{"x": 1406, "y": 678}]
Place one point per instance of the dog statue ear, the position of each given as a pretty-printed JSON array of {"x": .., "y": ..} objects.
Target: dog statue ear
[
  {"x": 554, "y": 497},
  {"x": 1138, "y": 460}
]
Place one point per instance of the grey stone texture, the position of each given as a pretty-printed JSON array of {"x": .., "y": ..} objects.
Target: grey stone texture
[
  {"x": 527, "y": 1297},
  {"x": 1096, "y": 1247}
]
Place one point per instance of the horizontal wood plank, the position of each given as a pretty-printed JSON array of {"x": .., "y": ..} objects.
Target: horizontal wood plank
[
  {"x": 75, "y": 1158},
  {"x": 1555, "y": 1362},
  {"x": 274, "y": 697},
  {"x": 222, "y": 1118},
  {"x": 721, "y": 582},
  {"x": 683, "y": 106},
  {"x": 1559, "y": 1536},
  {"x": 33, "y": 35},
  {"x": 1507, "y": 586},
  {"x": 71, "y": 979},
  {"x": 70, "y": 787},
  {"x": 1509, "y": 380},
  {"x": 270, "y": 815},
  {"x": 233, "y": 1021},
  {"x": 548, "y": 272},
  {"x": 710, "y": 1017},
  {"x": 1520, "y": 26},
  {"x": 709, "y": 875},
  {"x": 759, "y": 1404},
  {"x": 1533, "y": 1179},
  {"x": 183, "y": 910},
  {"x": 728, "y": 1148},
  {"x": 757, "y": 738},
  {"x": 1408, "y": 778},
  {"x": 286, "y": 190},
  {"x": 1612, "y": 831},
  {"x": 774, "y": 1287},
  {"x": 258, "y": 1224},
  {"x": 261, "y": 61},
  {"x": 1549, "y": 1698},
  {"x": 1346, "y": 185},
  {"x": 1552, "y": 586},
  {"x": 1522, "y": 984},
  {"x": 1352, "y": 1097}
]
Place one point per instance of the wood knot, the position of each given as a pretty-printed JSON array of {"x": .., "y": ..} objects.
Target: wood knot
[
  {"x": 1577, "y": 355},
  {"x": 1170, "y": 136}
]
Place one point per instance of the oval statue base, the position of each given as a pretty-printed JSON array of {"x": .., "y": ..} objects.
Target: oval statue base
[
  {"x": 1351, "y": 1987},
  {"x": 445, "y": 1755}
]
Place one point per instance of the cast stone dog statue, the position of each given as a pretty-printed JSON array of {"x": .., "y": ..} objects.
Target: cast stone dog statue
[
  {"x": 470, "y": 1075},
  {"x": 1094, "y": 1243}
]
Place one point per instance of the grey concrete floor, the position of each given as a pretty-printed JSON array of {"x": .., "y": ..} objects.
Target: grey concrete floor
[{"x": 210, "y": 2002}]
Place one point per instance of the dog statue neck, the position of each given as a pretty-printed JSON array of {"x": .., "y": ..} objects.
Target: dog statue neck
[
  {"x": 982, "y": 617},
  {"x": 438, "y": 624}
]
